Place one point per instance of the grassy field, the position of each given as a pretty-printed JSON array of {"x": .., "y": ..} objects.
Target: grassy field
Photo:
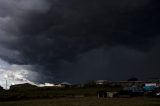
[
  {"x": 49, "y": 93},
  {"x": 86, "y": 101}
]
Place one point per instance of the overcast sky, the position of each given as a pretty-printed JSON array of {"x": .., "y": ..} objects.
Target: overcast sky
[{"x": 76, "y": 41}]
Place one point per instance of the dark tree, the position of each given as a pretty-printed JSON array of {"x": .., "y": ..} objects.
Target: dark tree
[
  {"x": 133, "y": 79},
  {"x": 1, "y": 88}
]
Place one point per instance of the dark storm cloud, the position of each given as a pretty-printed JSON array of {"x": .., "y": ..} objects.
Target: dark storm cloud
[
  {"x": 12, "y": 15},
  {"x": 71, "y": 27},
  {"x": 53, "y": 34},
  {"x": 105, "y": 64}
]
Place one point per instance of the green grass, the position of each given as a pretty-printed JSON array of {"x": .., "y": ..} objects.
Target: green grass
[{"x": 87, "y": 101}]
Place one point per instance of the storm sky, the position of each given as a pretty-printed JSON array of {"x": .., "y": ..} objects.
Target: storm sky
[{"x": 76, "y": 41}]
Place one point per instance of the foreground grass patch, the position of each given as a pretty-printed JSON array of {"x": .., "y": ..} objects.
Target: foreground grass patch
[{"x": 87, "y": 101}]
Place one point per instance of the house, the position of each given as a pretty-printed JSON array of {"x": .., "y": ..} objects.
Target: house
[
  {"x": 106, "y": 94},
  {"x": 22, "y": 86}
]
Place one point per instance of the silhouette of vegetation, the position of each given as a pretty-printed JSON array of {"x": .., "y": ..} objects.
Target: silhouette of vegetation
[
  {"x": 1, "y": 88},
  {"x": 133, "y": 79}
]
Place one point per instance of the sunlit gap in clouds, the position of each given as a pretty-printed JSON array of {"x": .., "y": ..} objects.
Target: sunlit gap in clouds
[{"x": 15, "y": 74}]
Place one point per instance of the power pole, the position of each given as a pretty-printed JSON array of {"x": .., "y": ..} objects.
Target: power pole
[{"x": 6, "y": 84}]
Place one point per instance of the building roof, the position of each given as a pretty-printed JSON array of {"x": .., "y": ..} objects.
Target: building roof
[{"x": 66, "y": 83}]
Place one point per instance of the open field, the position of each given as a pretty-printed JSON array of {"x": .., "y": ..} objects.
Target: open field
[
  {"x": 86, "y": 101},
  {"x": 49, "y": 93}
]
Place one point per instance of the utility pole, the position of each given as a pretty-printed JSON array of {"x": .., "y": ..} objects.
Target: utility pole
[{"x": 6, "y": 84}]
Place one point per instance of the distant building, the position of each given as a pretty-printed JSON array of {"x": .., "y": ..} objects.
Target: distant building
[
  {"x": 46, "y": 85},
  {"x": 60, "y": 86},
  {"x": 66, "y": 84},
  {"x": 22, "y": 86},
  {"x": 150, "y": 87},
  {"x": 150, "y": 84},
  {"x": 106, "y": 94},
  {"x": 130, "y": 83},
  {"x": 102, "y": 82}
]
